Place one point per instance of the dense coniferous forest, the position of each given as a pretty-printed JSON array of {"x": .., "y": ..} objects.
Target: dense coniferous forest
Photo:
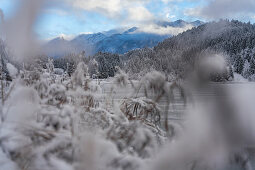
[{"x": 178, "y": 55}]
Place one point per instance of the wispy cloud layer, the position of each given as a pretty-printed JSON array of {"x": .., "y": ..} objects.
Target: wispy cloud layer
[
  {"x": 115, "y": 9},
  {"x": 216, "y": 9},
  {"x": 74, "y": 16},
  {"x": 156, "y": 29},
  {"x": 139, "y": 14}
]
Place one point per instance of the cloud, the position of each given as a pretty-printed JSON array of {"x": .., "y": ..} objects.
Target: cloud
[
  {"x": 156, "y": 29},
  {"x": 169, "y": 16},
  {"x": 110, "y": 7},
  {"x": 216, "y": 9},
  {"x": 167, "y": 1},
  {"x": 139, "y": 14},
  {"x": 66, "y": 37},
  {"x": 129, "y": 13},
  {"x": 113, "y": 8}
]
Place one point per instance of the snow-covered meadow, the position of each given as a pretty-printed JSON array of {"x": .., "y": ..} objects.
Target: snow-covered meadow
[
  {"x": 56, "y": 122},
  {"x": 51, "y": 121}
]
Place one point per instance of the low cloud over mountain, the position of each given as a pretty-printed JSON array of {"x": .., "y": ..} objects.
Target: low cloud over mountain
[{"x": 118, "y": 40}]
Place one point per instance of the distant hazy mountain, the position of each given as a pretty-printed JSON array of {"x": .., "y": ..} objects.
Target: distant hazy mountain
[
  {"x": 86, "y": 42},
  {"x": 180, "y": 23},
  {"x": 115, "y": 41},
  {"x": 122, "y": 43},
  {"x": 58, "y": 47}
]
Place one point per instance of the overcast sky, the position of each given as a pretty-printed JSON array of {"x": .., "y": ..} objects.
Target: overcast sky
[{"x": 72, "y": 17}]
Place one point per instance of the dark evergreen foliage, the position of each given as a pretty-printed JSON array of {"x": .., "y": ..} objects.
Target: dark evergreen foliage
[
  {"x": 177, "y": 55},
  {"x": 107, "y": 63}
]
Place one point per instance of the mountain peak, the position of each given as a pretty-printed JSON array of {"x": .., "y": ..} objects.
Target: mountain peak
[
  {"x": 119, "y": 40},
  {"x": 197, "y": 23},
  {"x": 58, "y": 40},
  {"x": 179, "y": 23},
  {"x": 131, "y": 30}
]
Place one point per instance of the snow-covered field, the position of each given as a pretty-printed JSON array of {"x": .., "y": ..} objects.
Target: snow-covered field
[{"x": 57, "y": 122}]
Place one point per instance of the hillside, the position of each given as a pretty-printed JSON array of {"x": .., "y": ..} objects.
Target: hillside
[{"x": 177, "y": 55}]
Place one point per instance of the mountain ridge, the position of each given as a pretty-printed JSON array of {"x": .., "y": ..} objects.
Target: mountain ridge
[
  {"x": 178, "y": 55},
  {"x": 115, "y": 41}
]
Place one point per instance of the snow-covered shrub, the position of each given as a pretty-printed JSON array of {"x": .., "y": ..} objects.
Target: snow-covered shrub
[
  {"x": 95, "y": 119},
  {"x": 30, "y": 77},
  {"x": 59, "y": 71},
  {"x": 80, "y": 74},
  {"x": 26, "y": 105},
  {"x": 57, "y": 94},
  {"x": 12, "y": 70},
  {"x": 23, "y": 140},
  {"x": 42, "y": 88},
  {"x": 50, "y": 66},
  {"x": 154, "y": 84},
  {"x": 95, "y": 152},
  {"x": 133, "y": 138},
  {"x": 121, "y": 78},
  {"x": 142, "y": 109},
  {"x": 84, "y": 99}
]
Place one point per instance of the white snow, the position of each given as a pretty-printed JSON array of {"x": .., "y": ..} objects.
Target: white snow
[
  {"x": 12, "y": 70},
  {"x": 239, "y": 78}
]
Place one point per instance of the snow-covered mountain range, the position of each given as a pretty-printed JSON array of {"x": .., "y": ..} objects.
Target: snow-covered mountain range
[{"x": 118, "y": 40}]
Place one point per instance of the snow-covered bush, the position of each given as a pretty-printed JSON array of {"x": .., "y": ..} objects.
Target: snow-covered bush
[
  {"x": 121, "y": 78},
  {"x": 134, "y": 139},
  {"x": 142, "y": 109},
  {"x": 12, "y": 70}
]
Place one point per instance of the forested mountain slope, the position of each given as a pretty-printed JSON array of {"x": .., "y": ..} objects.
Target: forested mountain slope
[{"x": 177, "y": 55}]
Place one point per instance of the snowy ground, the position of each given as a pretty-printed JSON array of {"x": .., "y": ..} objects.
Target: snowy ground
[
  {"x": 176, "y": 112},
  {"x": 239, "y": 78},
  {"x": 75, "y": 117}
]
